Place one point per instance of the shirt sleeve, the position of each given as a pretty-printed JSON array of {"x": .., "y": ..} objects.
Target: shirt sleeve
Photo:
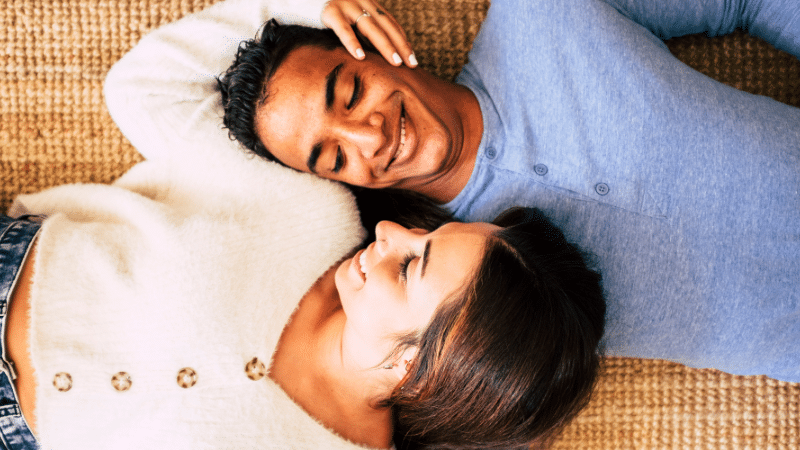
[
  {"x": 776, "y": 21},
  {"x": 163, "y": 95}
]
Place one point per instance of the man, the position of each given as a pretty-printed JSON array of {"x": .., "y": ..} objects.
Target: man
[{"x": 685, "y": 190}]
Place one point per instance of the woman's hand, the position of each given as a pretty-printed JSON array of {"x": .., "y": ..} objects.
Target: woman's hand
[{"x": 375, "y": 23}]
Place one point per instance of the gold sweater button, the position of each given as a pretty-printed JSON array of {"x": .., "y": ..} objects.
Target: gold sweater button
[
  {"x": 121, "y": 381},
  {"x": 255, "y": 369},
  {"x": 187, "y": 377},
  {"x": 62, "y": 381}
]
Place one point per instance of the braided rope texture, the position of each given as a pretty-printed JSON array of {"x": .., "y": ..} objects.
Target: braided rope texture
[{"x": 54, "y": 129}]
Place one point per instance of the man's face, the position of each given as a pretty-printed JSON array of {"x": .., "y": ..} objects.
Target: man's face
[{"x": 365, "y": 123}]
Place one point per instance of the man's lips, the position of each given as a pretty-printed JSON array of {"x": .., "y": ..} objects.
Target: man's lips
[{"x": 399, "y": 151}]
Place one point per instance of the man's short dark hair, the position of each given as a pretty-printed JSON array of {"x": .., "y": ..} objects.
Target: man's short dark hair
[{"x": 245, "y": 85}]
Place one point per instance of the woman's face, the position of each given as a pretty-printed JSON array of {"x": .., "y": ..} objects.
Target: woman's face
[{"x": 395, "y": 285}]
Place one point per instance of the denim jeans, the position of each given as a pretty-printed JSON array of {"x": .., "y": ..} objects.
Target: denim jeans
[{"x": 16, "y": 237}]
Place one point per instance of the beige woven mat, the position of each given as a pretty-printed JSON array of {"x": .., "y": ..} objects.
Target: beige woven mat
[{"x": 54, "y": 129}]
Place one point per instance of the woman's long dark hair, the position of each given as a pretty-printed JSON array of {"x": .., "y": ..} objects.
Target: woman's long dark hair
[
  {"x": 407, "y": 208},
  {"x": 515, "y": 357}
]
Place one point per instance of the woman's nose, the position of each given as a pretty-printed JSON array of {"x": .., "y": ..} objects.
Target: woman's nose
[
  {"x": 393, "y": 237},
  {"x": 389, "y": 236}
]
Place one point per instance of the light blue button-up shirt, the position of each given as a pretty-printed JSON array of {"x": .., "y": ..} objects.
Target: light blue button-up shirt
[{"x": 686, "y": 191}]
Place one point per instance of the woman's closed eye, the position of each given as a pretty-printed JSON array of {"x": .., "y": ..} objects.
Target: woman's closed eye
[
  {"x": 357, "y": 89},
  {"x": 404, "y": 266}
]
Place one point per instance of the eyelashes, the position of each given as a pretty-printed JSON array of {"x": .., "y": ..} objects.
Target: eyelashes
[
  {"x": 404, "y": 266},
  {"x": 357, "y": 88},
  {"x": 357, "y": 91},
  {"x": 339, "y": 163}
]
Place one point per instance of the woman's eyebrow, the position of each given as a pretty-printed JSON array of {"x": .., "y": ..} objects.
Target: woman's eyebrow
[
  {"x": 330, "y": 86},
  {"x": 426, "y": 256}
]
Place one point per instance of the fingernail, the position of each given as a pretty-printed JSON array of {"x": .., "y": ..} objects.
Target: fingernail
[
  {"x": 359, "y": 53},
  {"x": 412, "y": 59},
  {"x": 397, "y": 59}
]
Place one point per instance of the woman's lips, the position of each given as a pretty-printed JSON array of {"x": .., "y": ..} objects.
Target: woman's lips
[
  {"x": 362, "y": 262},
  {"x": 357, "y": 264}
]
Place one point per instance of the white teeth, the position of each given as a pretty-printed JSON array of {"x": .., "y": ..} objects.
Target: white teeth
[
  {"x": 402, "y": 143},
  {"x": 362, "y": 260},
  {"x": 402, "y": 132}
]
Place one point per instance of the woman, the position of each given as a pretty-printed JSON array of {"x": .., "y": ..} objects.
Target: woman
[{"x": 183, "y": 307}]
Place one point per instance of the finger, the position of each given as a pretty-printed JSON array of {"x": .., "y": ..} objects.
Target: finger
[
  {"x": 378, "y": 26},
  {"x": 336, "y": 20},
  {"x": 396, "y": 35},
  {"x": 371, "y": 30}
]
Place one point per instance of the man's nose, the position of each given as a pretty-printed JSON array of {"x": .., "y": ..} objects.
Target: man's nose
[{"x": 367, "y": 135}]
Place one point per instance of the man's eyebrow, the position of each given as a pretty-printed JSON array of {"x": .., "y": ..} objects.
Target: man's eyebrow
[
  {"x": 330, "y": 91},
  {"x": 330, "y": 86},
  {"x": 426, "y": 256},
  {"x": 311, "y": 162}
]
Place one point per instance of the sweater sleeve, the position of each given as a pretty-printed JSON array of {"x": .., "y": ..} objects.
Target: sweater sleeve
[
  {"x": 776, "y": 21},
  {"x": 162, "y": 94}
]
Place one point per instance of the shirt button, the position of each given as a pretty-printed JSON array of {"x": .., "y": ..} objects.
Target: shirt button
[
  {"x": 187, "y": 377},
  {"x": 602, "y": 188},
  {"x": 62, "y": 381},
  {"x": 540, "y": 169},
  {"x": 121, "y": 381},
  {"x": 255, "y": 369},
  {"x": 491, "y": 153}
]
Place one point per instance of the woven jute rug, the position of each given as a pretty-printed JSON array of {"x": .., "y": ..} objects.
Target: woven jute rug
[{"x": 54, "y": 129}]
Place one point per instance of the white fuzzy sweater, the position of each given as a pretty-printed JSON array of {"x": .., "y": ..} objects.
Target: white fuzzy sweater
[{"x": 195, "y": 258}]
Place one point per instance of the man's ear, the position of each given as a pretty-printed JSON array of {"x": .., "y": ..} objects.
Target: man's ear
[{"x": 404, "y": 361}]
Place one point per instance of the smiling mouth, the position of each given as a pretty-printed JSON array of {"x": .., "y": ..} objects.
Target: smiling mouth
[
  {"x": 362, "y": 261},
  {"x": 402, "y": 144}
]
